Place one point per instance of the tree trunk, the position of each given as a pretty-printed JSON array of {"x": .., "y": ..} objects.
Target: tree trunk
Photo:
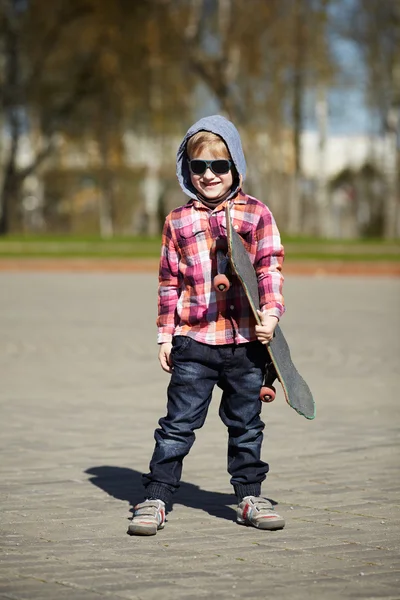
[
  {"x": 152, "y": 192},
  {"x": 9, "y": 200},
  {"x": 10, "y": 103},
  {"x": 105, "y": 207},
  {"x": 295, "y": 201},
  {"x": 391, "y": 200},
  {"x": 322, "y": 198},
  {"x": 106, "y": 204}
]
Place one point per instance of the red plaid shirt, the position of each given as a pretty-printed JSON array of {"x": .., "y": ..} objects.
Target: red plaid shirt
[{"x": 187, "y": 302}]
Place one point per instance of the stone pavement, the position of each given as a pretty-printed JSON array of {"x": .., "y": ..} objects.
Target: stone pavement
[{"x": 80, "y": 395}]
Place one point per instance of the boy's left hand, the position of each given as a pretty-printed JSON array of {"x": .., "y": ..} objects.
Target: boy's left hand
[{"x": 265, "y": 331}]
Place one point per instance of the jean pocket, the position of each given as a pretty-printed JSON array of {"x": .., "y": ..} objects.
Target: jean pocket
[{"x": 179, "y": 344}]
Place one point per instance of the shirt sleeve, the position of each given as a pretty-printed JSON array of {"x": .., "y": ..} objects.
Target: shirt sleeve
[
  {"x": 268, "y": 265},
  {"x": 168, "y": 288}
]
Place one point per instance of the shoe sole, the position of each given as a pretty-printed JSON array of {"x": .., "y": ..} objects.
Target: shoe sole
[
  {"x": 143, "y": 530},
  {"x": 264, "y": 525}
]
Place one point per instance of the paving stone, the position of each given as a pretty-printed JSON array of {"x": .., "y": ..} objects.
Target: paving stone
[{"x": 81, "y": 393}]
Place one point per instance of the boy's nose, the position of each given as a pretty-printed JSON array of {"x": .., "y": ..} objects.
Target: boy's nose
[{"x": 208, "y": 174}]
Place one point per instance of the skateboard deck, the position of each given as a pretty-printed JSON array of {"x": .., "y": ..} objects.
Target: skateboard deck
[{"x": 297, "y": 393}]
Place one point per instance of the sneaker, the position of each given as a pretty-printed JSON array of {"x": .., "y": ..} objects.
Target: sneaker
[
  {"x": 258, "y": 512},
  {"x": 148, "y": 518}
]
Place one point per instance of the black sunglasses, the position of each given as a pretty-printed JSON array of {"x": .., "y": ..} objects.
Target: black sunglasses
[{"x": 219, "y": 166}]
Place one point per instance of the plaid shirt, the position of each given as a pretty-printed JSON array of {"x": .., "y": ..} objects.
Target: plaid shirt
[{"x": 187, "y": 301}]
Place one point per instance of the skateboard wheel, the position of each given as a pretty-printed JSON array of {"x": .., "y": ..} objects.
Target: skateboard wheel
[
  {"x": 221, "y": 283},
  {"x": 267, "y": 393}
]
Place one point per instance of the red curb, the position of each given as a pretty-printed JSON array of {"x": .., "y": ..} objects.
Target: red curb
[{"x": 96, "y": 265}]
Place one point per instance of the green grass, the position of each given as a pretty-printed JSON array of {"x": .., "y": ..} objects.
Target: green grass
[
  {"x": 297, "y": 248},
  {"x": 79, "y": 246},
  {"x": 73, "y": 238},
  {"x": 337, "y": 256},
  {"x": 292, "y": 239}
]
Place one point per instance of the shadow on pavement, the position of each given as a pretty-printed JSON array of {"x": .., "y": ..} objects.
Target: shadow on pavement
[{"x": 126, "y": 484}]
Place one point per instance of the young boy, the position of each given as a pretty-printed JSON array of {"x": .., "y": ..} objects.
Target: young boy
[{"x": 209, "y": 338}]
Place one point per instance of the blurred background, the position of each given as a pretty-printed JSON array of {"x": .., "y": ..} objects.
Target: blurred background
[{"x": 96, "y": 95}]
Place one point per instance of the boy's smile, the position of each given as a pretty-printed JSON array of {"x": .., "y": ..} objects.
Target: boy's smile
[{"x": 208, "y": 184}]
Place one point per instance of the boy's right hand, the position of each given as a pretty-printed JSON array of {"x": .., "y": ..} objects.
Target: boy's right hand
[{"x": 164, "y": 356}]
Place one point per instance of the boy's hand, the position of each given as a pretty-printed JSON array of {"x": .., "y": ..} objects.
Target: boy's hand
[
  {"x": 265, "y": 331},
  {"x": 164, "y": 356}
]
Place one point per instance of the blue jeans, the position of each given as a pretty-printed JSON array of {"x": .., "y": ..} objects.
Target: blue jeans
[{"x": 197, "y": 368}]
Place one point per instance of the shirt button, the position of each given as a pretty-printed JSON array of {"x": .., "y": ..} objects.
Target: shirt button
[
  {"x": 231, "y": 307},
  {"x": 236, "y": 227}
]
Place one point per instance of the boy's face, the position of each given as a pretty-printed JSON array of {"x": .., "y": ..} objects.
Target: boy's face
[{"x": 209, "y": 185}]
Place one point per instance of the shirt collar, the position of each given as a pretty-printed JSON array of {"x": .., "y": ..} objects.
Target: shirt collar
[{"x": 240, "y": 198}]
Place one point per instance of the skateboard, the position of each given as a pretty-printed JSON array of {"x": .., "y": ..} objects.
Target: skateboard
[{"x": 234, "y": 260}]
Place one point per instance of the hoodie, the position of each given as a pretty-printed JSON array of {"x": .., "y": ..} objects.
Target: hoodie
[{"x": 228, "y": 132}]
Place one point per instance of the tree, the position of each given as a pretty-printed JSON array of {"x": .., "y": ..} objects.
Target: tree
[
  {"x": 85, "y": 69},
  {"x": 259, "y": 59},
  {"x": 90, "y": 70},
  {"x": 375, "y": 28},
  {"x": 26, "y": 84}
]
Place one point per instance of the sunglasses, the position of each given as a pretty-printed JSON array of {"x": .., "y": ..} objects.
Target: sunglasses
[{"x": 219, "y": 166}]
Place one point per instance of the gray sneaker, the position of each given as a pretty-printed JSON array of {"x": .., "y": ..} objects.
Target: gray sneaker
[
  {"x": 148, "y": 518},
  {"x": 259, "y": 512}
]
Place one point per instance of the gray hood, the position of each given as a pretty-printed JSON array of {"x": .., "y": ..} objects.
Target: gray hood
[{"x": 228, "y": 132}]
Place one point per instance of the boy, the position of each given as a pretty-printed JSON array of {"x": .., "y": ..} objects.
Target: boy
[{"x": 209, "y": 338}]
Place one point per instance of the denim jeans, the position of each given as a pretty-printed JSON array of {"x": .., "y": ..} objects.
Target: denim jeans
[{"x": 197, "y": 369}]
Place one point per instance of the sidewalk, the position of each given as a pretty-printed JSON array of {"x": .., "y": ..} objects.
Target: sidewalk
[{"x": 81, "y": 392}]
